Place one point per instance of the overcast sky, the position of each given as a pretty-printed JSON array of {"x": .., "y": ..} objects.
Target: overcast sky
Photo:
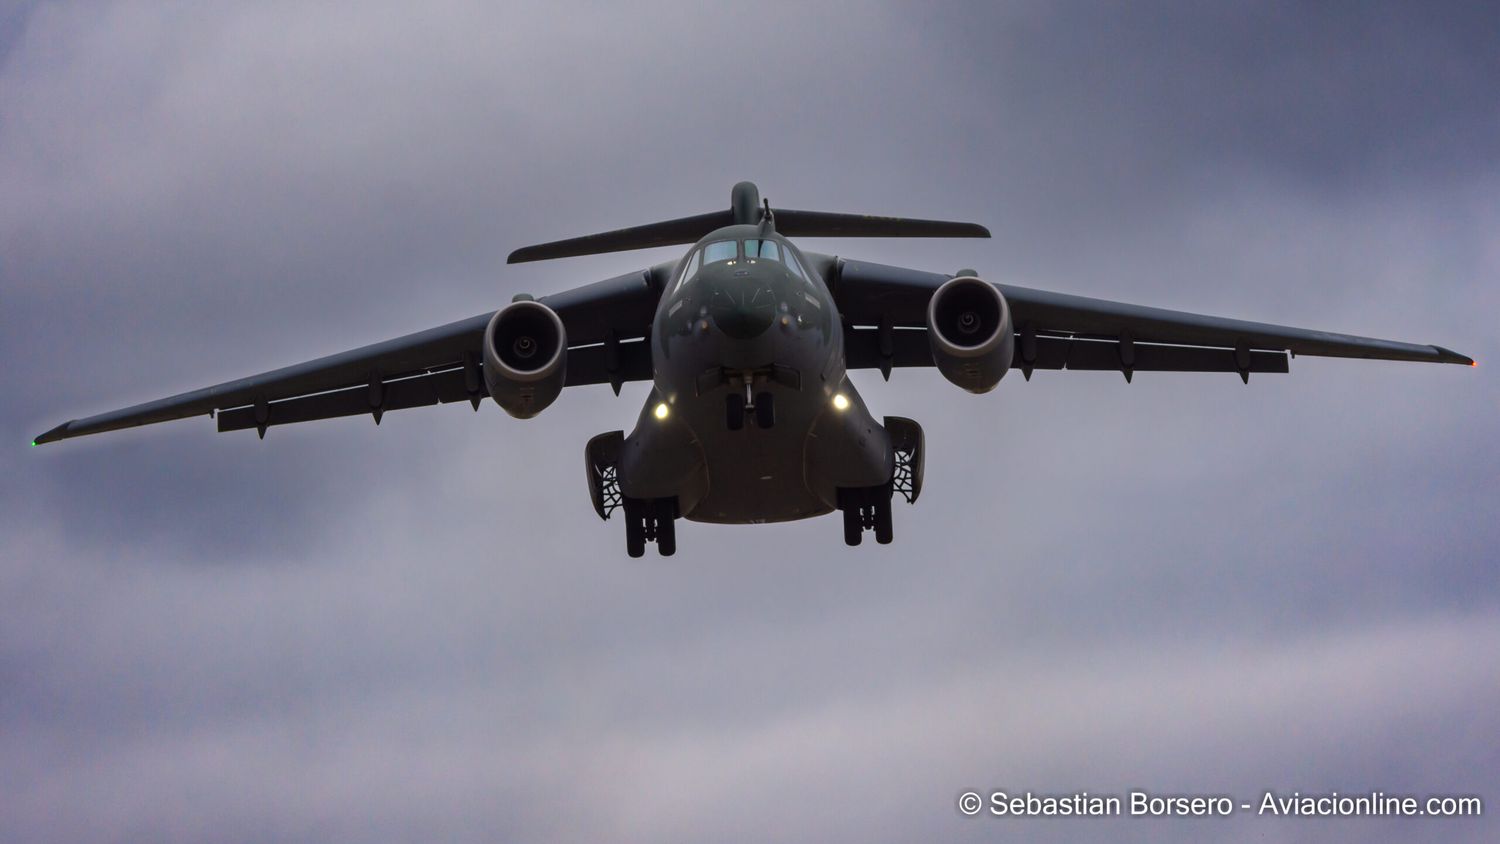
[{"x": 422, "y": 632}]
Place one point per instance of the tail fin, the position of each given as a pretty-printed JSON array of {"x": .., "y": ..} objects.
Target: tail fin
[{"x": 745, "y": 197}]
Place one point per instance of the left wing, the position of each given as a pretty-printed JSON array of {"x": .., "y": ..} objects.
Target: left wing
[
  {"x": 604, "y": 322},
  {"x": 884, "y": 309}
]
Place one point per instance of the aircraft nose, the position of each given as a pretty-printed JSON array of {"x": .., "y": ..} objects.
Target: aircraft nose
[{"x": 742, "y": 311}]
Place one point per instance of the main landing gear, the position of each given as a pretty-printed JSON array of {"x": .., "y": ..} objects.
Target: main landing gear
[
  {"x": 650, "y": 520},
  {"x": 865, "y": 509},
  {"x": 646, "y": 519},
  {"x": 869, "y": 508}
]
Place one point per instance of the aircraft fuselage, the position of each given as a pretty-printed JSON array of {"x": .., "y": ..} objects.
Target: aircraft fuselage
[{"x": 748, "y": 332}]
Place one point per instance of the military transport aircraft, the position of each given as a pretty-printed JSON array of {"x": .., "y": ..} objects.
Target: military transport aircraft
[{"x": 746, "y": 340}]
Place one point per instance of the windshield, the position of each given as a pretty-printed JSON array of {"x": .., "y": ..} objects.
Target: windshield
[
  {"x": 753, "y": 250},
  {"x": 689, "y": 270},
  {"x": 762, "y": 249},
  {"x": 720, "y": 250},
  {"x": 791, "y": 261}
]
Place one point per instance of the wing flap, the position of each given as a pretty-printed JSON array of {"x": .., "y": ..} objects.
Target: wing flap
[
  {"x": 419, "y": 391},
  {"x": 586, "y": 365},
  {"x": 592, "y": 364},
  {"x": 909, "y": 348},
  {"x": 1100, "y": 355}
]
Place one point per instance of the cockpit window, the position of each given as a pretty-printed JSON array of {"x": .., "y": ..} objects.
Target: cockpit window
[
  {"x": 690, "y": 269},
  {"x": 791, "y": 261},
  {"x": 762, "y": 249},
  {"x": 720, "y": 250}
]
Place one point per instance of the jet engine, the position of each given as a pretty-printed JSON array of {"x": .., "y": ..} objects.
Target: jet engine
[
  {"x": 969, "y": 329},
  {"x": 525, "y": 357}
]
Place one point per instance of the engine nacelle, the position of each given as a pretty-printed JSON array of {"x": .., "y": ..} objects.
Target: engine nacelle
[
  {"x": 525, "y": 357},
  {"x": 970, "y": 331}
]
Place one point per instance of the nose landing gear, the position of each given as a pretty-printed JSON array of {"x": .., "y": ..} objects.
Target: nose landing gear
[
  {"x": 765, "y": 410},
  {"x": 736, "y": 405}
]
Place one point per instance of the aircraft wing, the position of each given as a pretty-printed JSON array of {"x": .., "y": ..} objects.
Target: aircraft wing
[
  {"x": 884, "y": 310},
  {"x": 605, "y": 322}
]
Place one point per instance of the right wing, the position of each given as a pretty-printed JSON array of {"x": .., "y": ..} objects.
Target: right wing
[
  {"x": 885, "y": 307},
  {"x": 605, "y": 324}
]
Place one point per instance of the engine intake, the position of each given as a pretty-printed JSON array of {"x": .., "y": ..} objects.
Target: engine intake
[
  {"x": 525, "y": 357},
  {"x": 970, "y": 332}
]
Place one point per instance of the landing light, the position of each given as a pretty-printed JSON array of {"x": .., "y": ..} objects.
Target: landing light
[
  {"x": 661, "y": 410},
  {"x": 840, "y": 402}
]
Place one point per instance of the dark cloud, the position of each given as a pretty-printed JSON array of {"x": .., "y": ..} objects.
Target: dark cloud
[{"x": 420, "y": 630}]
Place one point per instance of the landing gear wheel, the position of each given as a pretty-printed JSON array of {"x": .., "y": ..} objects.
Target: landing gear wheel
[
  {"x": 765, "y": 410},
  {"x": 734, "y": 404},
  {"x": 666, "y": 526},
  {"x": 853, "y": 528},
  {"x": 882, "y": 508},
  {"x": 635, "y": 528}
]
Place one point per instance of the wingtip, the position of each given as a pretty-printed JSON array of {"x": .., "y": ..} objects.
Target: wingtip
[
  {"x": 58, "y": 433},
  {"x": 1450, "y": 356}
]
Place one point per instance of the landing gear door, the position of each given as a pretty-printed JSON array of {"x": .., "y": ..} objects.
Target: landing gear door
[
  {"x": 602, "y": 459},
  {"x": 910, "y": 447}
]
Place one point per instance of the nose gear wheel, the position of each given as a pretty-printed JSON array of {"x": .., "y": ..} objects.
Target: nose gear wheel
[{"x": 736, "y": 407}]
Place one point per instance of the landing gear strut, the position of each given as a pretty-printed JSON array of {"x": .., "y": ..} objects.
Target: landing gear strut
[
  {"x": 650, "y": 520},
  {"x": 866, "y": 508}
]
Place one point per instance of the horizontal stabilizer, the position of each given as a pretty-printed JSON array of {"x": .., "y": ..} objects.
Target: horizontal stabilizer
[
  {"x": 824, "y": 224},
  {"x": 685, "y": 230},
  {"x": 669, "y": 233}
]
